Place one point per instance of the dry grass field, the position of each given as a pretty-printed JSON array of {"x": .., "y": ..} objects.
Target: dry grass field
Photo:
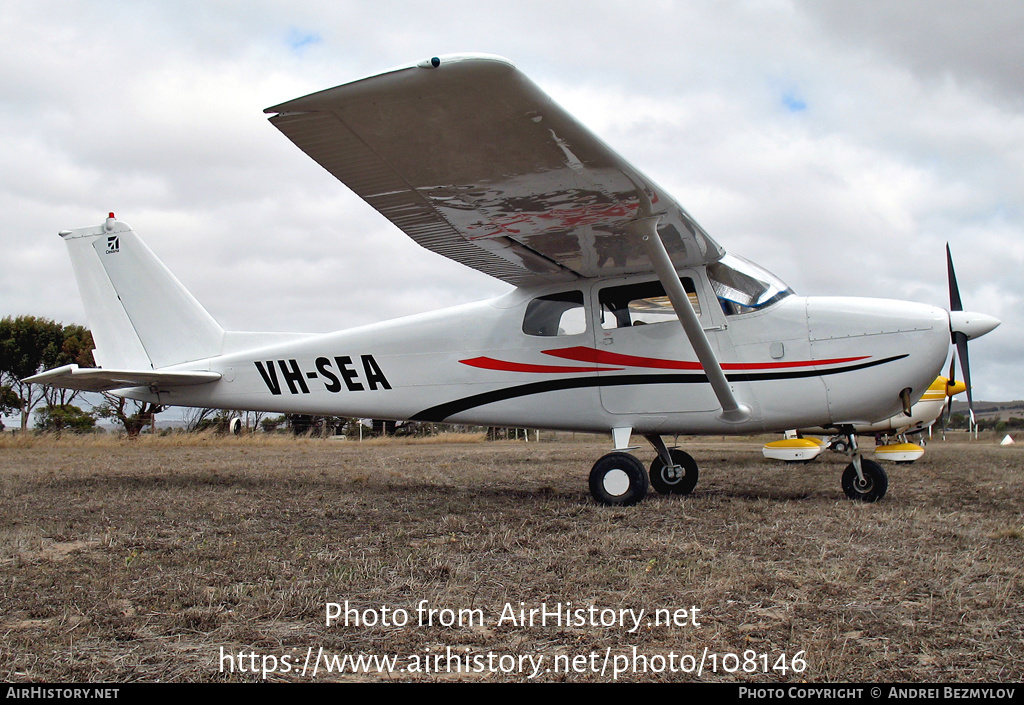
[{"x": 216, "y": 561}]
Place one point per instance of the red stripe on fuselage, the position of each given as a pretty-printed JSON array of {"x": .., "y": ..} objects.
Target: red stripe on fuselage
[
  {"x": 489, "y": 363},
  {"x": 602, "y": 357}
]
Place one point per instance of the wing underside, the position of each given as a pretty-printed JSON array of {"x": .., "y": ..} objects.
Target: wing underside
[{"x": 473, "y": 161}]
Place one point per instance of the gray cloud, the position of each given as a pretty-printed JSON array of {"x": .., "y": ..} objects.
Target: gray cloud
[
  {"x": 839, "y": 144},
  {"x": 976, "y": 45}
]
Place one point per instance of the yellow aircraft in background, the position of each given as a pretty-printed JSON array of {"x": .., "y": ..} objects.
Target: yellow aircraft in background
[{"x": 892, "y": 434}]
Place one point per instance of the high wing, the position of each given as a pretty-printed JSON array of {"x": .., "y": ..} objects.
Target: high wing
[{"x": 473, "y": 161}]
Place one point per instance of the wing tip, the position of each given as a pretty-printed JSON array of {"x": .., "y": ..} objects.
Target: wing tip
[{"x": 434, "y": 62}]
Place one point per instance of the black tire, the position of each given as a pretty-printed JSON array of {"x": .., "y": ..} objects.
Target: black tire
[
  {"x": 618, "y": 480},
  {"x": 875, "y": 482},
  {"x": 839, "y": 446},
  {"x": 664, "y": 484}
]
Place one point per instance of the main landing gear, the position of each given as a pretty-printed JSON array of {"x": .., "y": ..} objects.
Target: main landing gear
[
  {"x": 619, "y": 479},
  {"x": 863, "y": 479}
]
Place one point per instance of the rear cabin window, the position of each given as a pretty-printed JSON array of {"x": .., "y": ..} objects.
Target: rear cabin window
[
  {"x": 641, "y": 304},
  {"x": 556, "y": 314}
]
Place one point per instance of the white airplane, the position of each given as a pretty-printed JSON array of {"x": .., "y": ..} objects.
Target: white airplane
[
  {"x": 894, "y": 431},
  {"x": 626, "y": 316}
]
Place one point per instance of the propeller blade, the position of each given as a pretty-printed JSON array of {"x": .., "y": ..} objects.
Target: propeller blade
[
  {"x": 963, "y": 326},
  {"x": 954, "y": 291},
  {"x": 950, "y": 383},
  {"x": 965, "y": 365}
]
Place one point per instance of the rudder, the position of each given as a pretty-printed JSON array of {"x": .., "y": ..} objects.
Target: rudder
[{"x": 140, "y": 315}]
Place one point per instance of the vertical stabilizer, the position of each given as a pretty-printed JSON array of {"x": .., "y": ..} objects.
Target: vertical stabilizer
[{"x": 140, "y": 315}]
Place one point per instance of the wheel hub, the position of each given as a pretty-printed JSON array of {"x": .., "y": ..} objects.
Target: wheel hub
[
  {"x": 616, "y": 482},
  {"x": 672, "y": 474}
]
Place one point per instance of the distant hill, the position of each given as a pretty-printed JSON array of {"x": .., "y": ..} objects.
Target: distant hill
[{"x": 1002, "y": 410}]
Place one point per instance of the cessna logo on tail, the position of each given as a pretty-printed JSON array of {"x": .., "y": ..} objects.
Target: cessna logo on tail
[
  {"x": 113, "y": 244},
  {"x": 336, "y": 375}
]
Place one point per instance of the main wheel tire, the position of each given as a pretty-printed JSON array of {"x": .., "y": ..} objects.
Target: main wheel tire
[
  {"x": 618, "y": 480},
  {"x": 838, "y": 446},
  {"x": 875, "y": 483},
  {"x": 663, "y": 482}
]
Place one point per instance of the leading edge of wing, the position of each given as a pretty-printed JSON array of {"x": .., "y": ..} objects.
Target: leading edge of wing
[
  {"x": 473, "y": 161},
  {"x": 95, "y": 379}
]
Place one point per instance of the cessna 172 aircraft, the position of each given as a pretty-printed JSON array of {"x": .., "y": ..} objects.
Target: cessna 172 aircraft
[{"x": 626, "y": 316}]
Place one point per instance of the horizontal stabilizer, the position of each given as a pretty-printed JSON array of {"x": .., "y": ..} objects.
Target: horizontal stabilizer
[{"x": 101, "y": 380}]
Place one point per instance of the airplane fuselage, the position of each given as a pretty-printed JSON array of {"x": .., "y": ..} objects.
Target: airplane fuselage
[{"x": 801, "y": 361}]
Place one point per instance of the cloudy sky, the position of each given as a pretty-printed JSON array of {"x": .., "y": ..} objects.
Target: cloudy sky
[{"x": 839, "y": 144}]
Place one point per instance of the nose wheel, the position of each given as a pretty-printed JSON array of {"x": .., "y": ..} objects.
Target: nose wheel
[
  {"x": 867, "y": 486},
  {"x": 863, "y": 480}
]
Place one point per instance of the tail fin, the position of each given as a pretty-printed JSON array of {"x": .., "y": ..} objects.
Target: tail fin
[{"x": 140, "y": 315}]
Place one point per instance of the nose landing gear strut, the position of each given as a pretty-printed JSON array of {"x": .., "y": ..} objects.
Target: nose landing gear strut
[{"x": 863, "y": 480}]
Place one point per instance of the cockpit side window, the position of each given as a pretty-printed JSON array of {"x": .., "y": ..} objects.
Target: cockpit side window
[
  {"x": 556, "y": 314},
  {"x": 641, "y": 304}
]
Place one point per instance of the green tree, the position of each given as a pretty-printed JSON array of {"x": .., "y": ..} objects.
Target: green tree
[
  {"x": 270, "y": 423},
  {"x": 131, "y": 414},
  {"x": 9, "y": 401},
  {"x": 29, "y": 345},
  {"x": 65, "y": 417},
  {"x": 76, "y": 349}
]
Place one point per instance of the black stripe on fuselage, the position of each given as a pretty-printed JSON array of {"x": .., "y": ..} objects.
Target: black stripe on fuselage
[{"x": 443, "y": 411}]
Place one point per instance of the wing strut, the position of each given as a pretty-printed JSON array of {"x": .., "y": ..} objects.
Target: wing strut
[{"x": 647, "y": 229}]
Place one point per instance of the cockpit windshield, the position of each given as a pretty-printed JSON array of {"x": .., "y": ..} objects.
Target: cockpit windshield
[{"x": 742, "y": 286}]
